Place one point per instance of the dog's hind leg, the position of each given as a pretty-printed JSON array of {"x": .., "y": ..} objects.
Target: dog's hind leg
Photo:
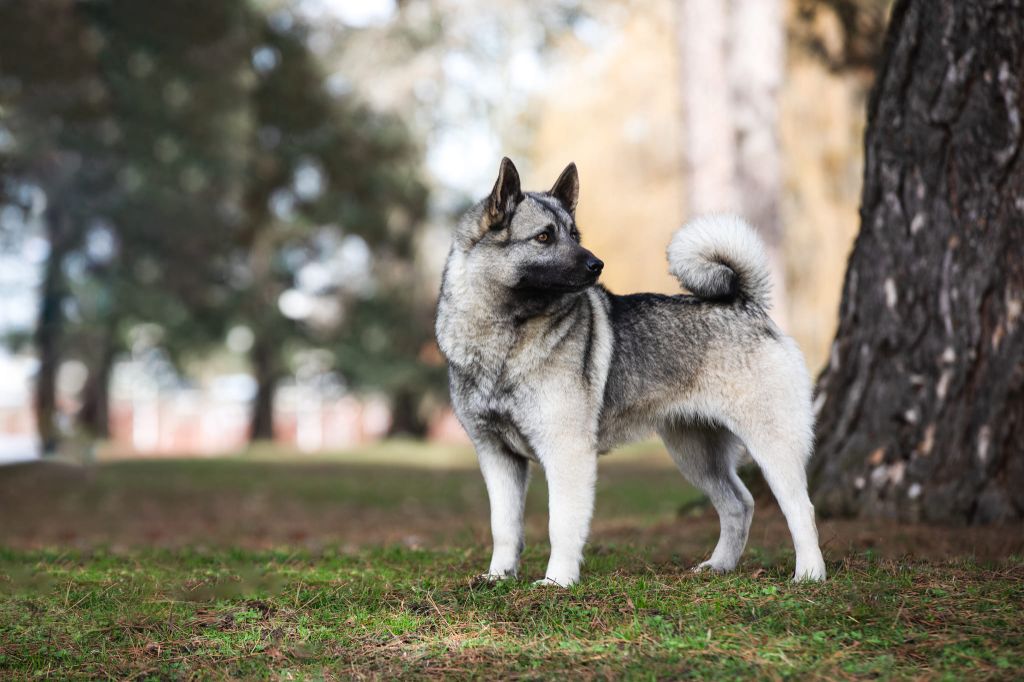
[
  {"x": 507, "y": 476},
  {"x": 707, "y": 457},
  {"x": 780, "y": 450}
]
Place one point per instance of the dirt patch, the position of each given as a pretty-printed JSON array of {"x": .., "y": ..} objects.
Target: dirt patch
[
  {"x": 258, "y": 505},
  {"x": 696, "y": 534}
]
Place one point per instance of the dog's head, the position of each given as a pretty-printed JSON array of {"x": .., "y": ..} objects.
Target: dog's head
[{"x": 528, "y": 242}]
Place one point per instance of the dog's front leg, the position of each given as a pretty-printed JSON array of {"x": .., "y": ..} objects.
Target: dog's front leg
[
  {"x": 506, "y": 476},
  {"x": 571, "y": 476}
]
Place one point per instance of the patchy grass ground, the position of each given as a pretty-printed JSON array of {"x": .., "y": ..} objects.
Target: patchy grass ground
[{"x": 339, "y": 568}]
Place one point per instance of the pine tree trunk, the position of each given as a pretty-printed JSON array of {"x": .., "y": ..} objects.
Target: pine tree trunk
[
  {"x": 49, "y": 327},
  {"x": 95, "y": 413},
  {"x": 921, "y": 408},
  {"x": 264, "y": 367}
]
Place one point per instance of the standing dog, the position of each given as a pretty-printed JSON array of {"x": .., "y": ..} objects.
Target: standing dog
[{"x": 546, "y": 366}]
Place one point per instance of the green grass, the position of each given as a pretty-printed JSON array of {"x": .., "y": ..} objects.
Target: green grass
[
  {"x": 396, "y": 611},
  {"x": 88, "y": 589}
]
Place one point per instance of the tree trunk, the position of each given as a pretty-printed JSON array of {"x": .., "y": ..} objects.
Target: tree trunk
[
  {"x": 709, "y": 163},
  {"x": 731, "y": 61},
  {"x": 47, "y": 336},
  {"x": 406, "y": 419},
  {"x": 264, "y": 367},
  {"x": 95, "y": 413},
  {"x": 756, "y": 66},
  {"x": 921, "y": 408}
]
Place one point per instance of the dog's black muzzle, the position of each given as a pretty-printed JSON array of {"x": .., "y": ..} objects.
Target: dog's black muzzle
[
  {"x": 589, "y": 268},
  {"x": 581, "y": 272}
]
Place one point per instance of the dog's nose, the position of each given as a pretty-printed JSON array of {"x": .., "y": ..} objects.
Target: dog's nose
[{"x": 595, "y": 265}]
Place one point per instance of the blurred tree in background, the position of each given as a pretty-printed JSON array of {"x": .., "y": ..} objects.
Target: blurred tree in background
[
  {"x": 172, "y": 132},
  {"x": 862, "y": 26},
  {"x": 321, "y": 166},
  {"x": 387, "y": 344},
  {"x": 39, "y": 151},
  {"x": 190, "y": 173}
]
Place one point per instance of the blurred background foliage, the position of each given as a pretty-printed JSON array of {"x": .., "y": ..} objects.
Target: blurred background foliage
[{"x": 264, "y": 189}]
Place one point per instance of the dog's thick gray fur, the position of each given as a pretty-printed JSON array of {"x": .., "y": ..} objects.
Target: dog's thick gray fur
[{"x": 546, "y": 365}]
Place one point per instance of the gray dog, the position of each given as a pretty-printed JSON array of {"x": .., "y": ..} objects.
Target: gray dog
[{"x": 547, "y": 366}]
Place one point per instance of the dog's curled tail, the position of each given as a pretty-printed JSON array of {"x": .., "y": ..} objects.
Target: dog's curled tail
[{"x": 721, "y": 258}]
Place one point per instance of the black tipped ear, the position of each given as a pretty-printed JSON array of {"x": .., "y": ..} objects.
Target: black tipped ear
[
  {"x": 506, "y": 193},
  {"x": 567, "y": 188}
]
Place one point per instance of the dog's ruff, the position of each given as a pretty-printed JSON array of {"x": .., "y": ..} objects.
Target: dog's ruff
[{"x": 545, "y": 365}]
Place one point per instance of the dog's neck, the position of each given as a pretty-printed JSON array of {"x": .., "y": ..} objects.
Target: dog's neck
[
  {"x": 524, "y": 305},
  {"x": 476, "y": 319}
]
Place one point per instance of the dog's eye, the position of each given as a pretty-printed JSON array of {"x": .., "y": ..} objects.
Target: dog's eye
[
  {"x": 575, "y": 234},
  {"x": 543, "y": 237}
]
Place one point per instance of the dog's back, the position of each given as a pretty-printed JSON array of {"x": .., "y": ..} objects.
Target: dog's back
[{"x": 670, "y": 349}]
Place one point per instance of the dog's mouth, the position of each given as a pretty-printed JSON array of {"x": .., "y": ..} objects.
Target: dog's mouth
[
  {"x": 560, "y": 286},
  {"x": 581, "y": 271}
]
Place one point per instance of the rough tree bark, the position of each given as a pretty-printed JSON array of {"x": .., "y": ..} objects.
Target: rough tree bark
[{"x": 921, "y": 408}]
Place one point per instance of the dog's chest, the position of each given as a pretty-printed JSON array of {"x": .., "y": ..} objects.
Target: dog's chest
[{"x": 494, "y": 399}]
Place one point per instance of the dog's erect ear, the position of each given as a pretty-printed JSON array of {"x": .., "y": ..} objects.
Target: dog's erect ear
[
  {"x": 567, "y": 188},
  {"x": 506, "y": 193}
]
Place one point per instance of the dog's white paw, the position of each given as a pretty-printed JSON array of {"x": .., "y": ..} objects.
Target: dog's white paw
[
  {"x": 711, "y": 567},
  {"x": 811, "y": 573},
  {"x": 494, "y": 577},
  {"x": 554, "y": 582}
]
